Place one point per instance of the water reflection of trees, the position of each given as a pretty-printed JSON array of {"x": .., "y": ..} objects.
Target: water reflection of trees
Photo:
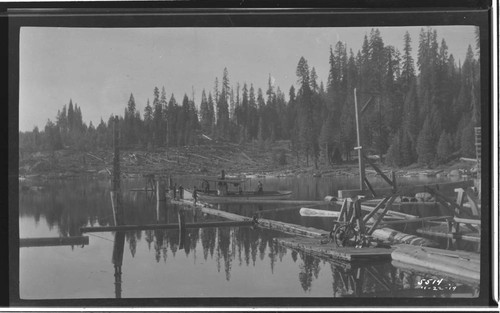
[
  {"x": 71, "y": 204},
  {"x": 243, "y": 246}
]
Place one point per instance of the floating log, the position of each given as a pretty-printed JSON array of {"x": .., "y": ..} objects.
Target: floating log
[
  {"x": 406, "y": 190},
  {"x": 467, "y": 221},
  {"x": 443, "y": 232},
  {"x": 53, "y": 241},
  {"x": 165, "y": 226},
  {"x": 468, "y": 160},
  {"x": 288, "y": 228},
  {"x": 420, "y": 219},
  {"x": 318, "y": 213},
  {"x": 269, "y": 201},
  {"x": 439, "y": 261},
  {"x": 389, "y": 212},
  {"x": 330, "y": 250},
  {"x": 394, "y": 237}
]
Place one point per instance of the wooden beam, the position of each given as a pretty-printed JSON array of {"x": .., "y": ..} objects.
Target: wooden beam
[
  {"x": 53, "y": 241},
  {"x": 473, "y": 201},
  {"x": 377, "y": 222},
  {"x": 367, "y": 183},
  {"x": 420, "y": 219},
  {"x": 361, "y": 164},
  {"x": 165, "y": 226},
  {"x": 406, "y": 190},
  {"x": 366, "y": 105},
  {"x": 343, "y": 210},
  {"x": 379, "y": 171},
  {"x": 379, "y": 205}
]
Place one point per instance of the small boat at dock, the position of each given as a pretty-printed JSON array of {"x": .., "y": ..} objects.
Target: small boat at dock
[
  {"x": 223, "y": 193},
  {"x": 246, "y": 195}
]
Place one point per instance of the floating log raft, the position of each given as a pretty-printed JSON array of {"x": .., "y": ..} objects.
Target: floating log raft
[
  {"x": 165, "y": 226},
  {"x": 54, "y": 241},
  {"x": 330, "y": 250},
  {"x": 460, "y": 263}
]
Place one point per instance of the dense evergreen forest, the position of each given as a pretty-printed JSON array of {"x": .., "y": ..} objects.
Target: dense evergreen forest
[{"x": 422, "y": 110}]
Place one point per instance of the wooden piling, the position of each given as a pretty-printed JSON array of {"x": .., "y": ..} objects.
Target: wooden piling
[
  {"x": 359, "y": 147},
  {"x": 160, "y": 190},
  {"x": 182, "y": 228},
  {"x": 116, "y": 200}
]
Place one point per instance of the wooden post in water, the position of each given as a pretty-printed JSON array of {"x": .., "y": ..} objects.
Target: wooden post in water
[
  {"x": 359, "y": 147},
  {"x": 161, "y": 199},
  {"x": 182, "y": 229},
  {"x": 117, "y": 260},
  {"x": 116, "y": 190}
]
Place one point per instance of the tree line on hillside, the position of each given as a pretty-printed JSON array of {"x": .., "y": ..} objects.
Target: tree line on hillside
[{"x": 424, "y": 112}]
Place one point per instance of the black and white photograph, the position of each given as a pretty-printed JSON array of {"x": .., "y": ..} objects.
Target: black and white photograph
[{"x": 193, "y": 162}]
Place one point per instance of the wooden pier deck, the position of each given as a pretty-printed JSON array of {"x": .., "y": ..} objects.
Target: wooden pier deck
[{"x": 330, "y": 250}]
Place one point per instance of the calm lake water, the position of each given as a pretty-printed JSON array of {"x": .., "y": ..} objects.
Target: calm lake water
[{"x": 208, "y": 262}]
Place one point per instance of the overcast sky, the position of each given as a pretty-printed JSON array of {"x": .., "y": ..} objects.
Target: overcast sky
[{"x": 98, "y": 68}]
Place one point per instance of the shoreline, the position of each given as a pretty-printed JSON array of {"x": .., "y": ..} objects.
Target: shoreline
[{"x": 250, "y": 160}]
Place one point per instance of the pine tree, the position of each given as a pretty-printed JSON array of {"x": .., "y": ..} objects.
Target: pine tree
[
  {"x": 211, "y": 114},
  {"x": 204, "y": 114},
  {"x": 425, "y": 143},
  {"x": 408, "y": 68},
  {"x": 444, "y": 148},
  {"x": 223, "y": 107}
]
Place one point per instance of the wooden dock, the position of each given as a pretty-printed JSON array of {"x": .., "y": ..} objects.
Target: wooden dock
[
  {"x": 287, "y": 228},
  {"x": 53, "y": 241},
  {"x": 331, "y": 251},
  {"x": 164, "y": 226}
]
